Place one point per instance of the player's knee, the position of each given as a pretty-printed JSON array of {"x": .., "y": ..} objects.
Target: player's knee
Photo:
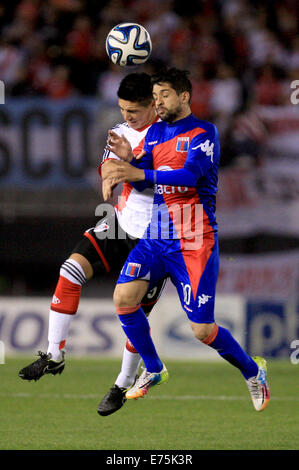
[
  {"x": 124, "y": 298},
  {"x": 202, "y": 330},
  {"x": 118, "y": 298},
  {"x": 84, "y": 263}
]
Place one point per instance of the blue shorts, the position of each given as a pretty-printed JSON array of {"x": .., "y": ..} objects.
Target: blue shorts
[{"x": 193, "y": 272}]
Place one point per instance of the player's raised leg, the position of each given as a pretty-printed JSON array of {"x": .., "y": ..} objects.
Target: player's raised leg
[
  {"x": 74, "y": 273},
  {"x": 254, "y": 369},
  {"x": 199, "y": 305}
]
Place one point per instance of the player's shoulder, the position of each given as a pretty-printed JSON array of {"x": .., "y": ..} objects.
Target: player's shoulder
[
  {"x": 121, "y": 126},
  {"x": 157, "y": 128},
  {"x": 207, "y": 126}
]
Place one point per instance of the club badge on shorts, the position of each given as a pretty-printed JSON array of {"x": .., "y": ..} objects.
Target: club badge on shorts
[{"x": 133, "y": 269}]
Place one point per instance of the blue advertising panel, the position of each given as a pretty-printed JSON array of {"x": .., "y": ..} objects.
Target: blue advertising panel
[{"x": 271, "y": 326}]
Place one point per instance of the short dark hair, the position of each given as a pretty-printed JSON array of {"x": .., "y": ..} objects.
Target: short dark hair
[
  {"x": 136, "y": 87},
  {"x": 177, "y": 79}
]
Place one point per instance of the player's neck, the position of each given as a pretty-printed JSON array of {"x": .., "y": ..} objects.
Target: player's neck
[
  {"x": 153, "y": 118},
  {"x": 185, "y": 113},
  {"x": 179, "y": 118}
]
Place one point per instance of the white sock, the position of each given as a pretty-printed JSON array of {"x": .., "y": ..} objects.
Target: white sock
[
  {"x": 53, "y": 348},
  {"x": 73, "y": 271},
  {"x": 58, "y": 331},
  {"x": 129, "y": 369}
]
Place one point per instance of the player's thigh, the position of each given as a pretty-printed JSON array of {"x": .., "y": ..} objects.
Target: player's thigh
[
  {"x": 152, "y": 296},
  {"x": 130, "y": 294},
  {"x": 104, "y": 251},
  {"x": 143, "y": 263}
]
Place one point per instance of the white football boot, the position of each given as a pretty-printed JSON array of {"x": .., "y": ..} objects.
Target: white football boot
[
  {"x": 258, "y": 386},
  {"x": 146, "y": 381}
]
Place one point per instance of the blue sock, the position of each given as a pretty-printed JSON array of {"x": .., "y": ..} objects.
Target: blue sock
[
  {"x": 231, "y": 351},
  {"x": 136, "y": 327}
]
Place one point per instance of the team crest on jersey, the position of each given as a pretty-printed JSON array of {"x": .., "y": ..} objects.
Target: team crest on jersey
[
  {"x": 133, "y": 269},
  {"x": 182, "y": 144}
]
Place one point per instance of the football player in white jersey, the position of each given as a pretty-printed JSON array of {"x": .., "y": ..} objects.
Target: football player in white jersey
[{"x": 95, "y": 254}]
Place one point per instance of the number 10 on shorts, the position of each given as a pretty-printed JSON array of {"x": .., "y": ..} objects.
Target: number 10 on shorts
[{"x": 186, "y": 293}]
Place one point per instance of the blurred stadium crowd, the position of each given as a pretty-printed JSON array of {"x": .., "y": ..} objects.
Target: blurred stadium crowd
[{"x": 240, "y": 53}]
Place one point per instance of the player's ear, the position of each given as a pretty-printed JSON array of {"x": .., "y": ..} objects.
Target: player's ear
[{"x": 185, "y": 97}]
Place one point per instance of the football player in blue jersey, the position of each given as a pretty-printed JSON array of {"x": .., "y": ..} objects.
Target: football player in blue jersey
[{"x": 181, "y": 240}]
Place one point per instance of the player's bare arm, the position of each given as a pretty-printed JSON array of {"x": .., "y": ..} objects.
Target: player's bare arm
[
  {"x": 108, "y": 183},
  {"x": 106, "y": 168}
]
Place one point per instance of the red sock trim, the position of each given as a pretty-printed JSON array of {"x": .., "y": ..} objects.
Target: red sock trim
[
  {"x": 125, "y": 310},
  {"x": 130, "y": 347},
  {"x": 99, "y": 251},
  {"x": 212, "y": 336},
  {"x": 62, "y": 344},
  {"x": 149, "y": 303},
  {"x": 66, "y": 297}
]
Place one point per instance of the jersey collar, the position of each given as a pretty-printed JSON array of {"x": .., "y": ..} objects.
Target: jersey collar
[{"x": 181, "y": 121}]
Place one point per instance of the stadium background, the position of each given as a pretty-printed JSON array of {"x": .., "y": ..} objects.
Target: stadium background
[{"x": 60, "y": 99}]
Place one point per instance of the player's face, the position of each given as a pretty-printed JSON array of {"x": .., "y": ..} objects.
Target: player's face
[
  {"x": 169, "y": 105},
  {"x": 136, "y": 115}
]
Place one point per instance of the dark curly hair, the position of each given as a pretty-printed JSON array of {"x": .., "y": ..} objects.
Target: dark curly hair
[{"x": 177, "y": 79}]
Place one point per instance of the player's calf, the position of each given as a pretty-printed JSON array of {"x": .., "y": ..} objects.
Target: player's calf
[
  {"x": 68, "y": 289},
  {"x": 64, "y": 304}
]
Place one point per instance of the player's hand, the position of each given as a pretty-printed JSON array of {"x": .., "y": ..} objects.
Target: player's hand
[
  {"x": 108, "y": 184},
  {"x": 123, "y": 171},
  {"x": 119, "y": 145},
  {"x": 140, "y": 155},
  {"x": 106, "y": 167}
]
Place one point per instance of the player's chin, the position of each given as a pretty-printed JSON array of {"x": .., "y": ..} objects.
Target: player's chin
[
  {"x": 162, "y": 113},
  {"x": 134, "y": 125}
]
